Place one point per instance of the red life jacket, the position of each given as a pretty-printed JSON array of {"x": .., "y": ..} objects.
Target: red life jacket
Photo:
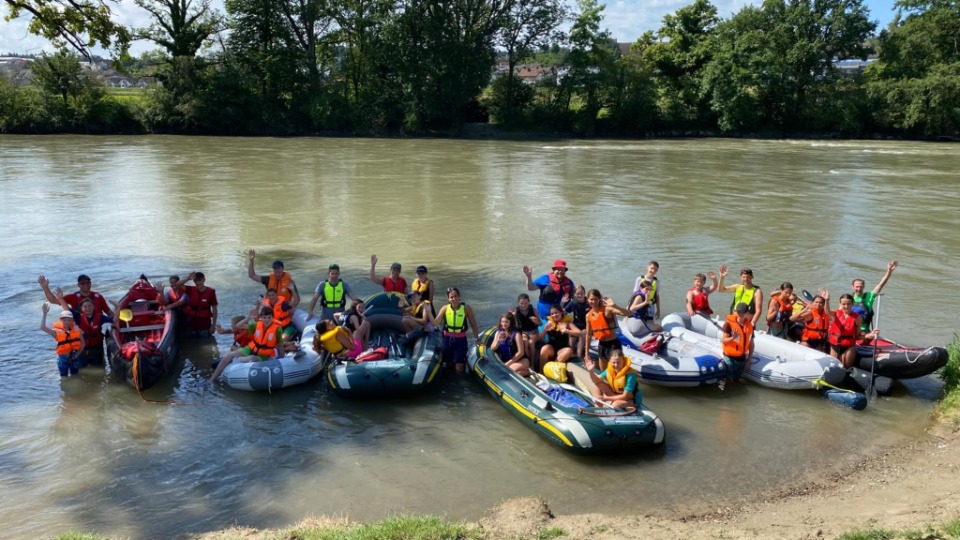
[
  {"x": 242, "y": 337},
  {"x": 555, "y": 292},
  {"x": 92, "y": 332},
  {"x": 200, "y": 304},
  {"x": 843, "y": 329},
  {"x": 700, "y": 302},
  {"x": 389, "y": 285}
]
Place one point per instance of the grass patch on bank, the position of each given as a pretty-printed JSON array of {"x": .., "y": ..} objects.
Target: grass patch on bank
[
  {"x": 950, "y": 529},
  {"x": 949, "y": 406}
]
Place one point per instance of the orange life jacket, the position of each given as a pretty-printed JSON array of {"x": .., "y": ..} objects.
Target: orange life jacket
[
  {"x": 740, "y": 346},
  {"x": 600, "y": 326},
  {"x": 843, "y": 329},
  {"x": 282, "y": 317},
  {"x": 815, "y": 329},
  {"x": 282, "y": 285},
  {"x": 265, "y": 340},
  {"x": 67, "y": 341},
  {"x": 784, "y": 310}
]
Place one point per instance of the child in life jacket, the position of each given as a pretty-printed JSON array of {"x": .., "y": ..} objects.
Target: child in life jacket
[
  {"x": 68, "y": 338},
  {"x": 242, "y": 329}
]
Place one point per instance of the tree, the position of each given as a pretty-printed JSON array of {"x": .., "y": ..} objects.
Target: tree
[
  {"x": 59, "y": 75},
  {"x": 79, "y": 24},
  {"x": 592, "y": 53},
  {"x": 179, "y": 26}
]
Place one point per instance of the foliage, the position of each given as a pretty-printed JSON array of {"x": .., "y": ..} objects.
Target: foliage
[
  {"x": 179, "y": 26},
  {"x": 78, "y": 24}
]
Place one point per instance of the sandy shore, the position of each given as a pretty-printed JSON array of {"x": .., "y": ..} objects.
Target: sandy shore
[
  {"x": 897, "y": 488},
  {"x": 904, "y": 487}
]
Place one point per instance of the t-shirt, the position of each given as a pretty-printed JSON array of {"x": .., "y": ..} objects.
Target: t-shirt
[
  {"x": 99, "y": 302},
  {"x": 867, "y": 300},
  {"x": 543, "y": 282}
]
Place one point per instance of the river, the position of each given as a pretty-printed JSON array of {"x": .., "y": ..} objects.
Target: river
[{"x": 86, "y": 453}]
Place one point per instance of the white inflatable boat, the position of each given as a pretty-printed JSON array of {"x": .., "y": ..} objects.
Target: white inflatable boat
[
  {"x": 676, "y": 363},
  {"x": 777, "y": 363},
  {"x": 288, "y": 370}
]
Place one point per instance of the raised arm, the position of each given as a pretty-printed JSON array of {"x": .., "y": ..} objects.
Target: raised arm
[
  {"x": 373, "y": 271},
  {"x": 45, "y": 287},
  {"x": 714, "y": 285},
  {"x": 43, "y": 319},
  {"x": 528, "y": 276},
  {"x": 251, "y": 255},
  {"x": 612, "y": 308},
  {"x": 723, "y": 274},
  {"x": 891, "y": 266}
]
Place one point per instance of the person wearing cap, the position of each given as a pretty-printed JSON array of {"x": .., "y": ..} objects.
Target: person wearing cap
[
  {"x": 737, "y": 341},
  {"x": 332, "y": 293},
  {"x": 555, "y": 287},
  {"x": 278, "y": 279},
  {"x": 90, "y": 321},
  {"x": 651, "y": 277},
  {"x": 85, "y": 290},
  {"x": 746, "y": 292},
  {"x": 68, "y": 338},
  {"x": 423, "y": 285},
  {"x": 392, "y": 283},
  {"x": 417, "y": 319}
]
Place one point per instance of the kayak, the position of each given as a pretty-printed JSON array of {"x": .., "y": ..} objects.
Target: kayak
[
  {"x": 290, "y": 369},
  {"x": 563, "y": 413},
  {"x": 400, "y": 369}
]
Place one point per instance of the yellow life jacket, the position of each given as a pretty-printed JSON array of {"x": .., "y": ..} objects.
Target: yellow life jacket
[{"x": 618, "y": 380}]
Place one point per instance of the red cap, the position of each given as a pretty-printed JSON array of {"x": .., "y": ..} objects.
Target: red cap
[{"x": 559, "y": 263}]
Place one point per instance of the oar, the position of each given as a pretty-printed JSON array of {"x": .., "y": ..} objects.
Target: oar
[
  {"x": 871, "y": 391},
  {"x": 126, "y": 315},
  {"x": 807, "y": 296}
]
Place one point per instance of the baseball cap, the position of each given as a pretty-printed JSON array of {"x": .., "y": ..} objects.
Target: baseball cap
[
  {"x": 395, "y": 265},
  {"x": 559, "y": 263},
  {"x": 742, "y": 308},
  {"x": 421, "y": 269},
  {"x": 278, "y": 264},
  {"x": 65, "y": 314}
]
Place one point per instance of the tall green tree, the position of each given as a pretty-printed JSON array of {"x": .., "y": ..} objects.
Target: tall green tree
[
  {"x": 181, "y": 27},
  {"x": 78, "y": 24},
  {"x": 590, "y": 62}
]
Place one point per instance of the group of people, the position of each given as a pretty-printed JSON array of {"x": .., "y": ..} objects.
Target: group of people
[
  {"x": 567, "y": 317},
  {"x": 560, "y": 326}
]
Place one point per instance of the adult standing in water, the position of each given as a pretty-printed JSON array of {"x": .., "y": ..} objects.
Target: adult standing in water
[
  {"x": 332, "y": 293},
  {"x": 391, "y": 283},
  {"x": 455, "y": 318},
  {"x": 85, "y": 290},
  {"x": 201, "y": 306},
  {"x": 744, "y": 293},
  {"x": 90, "y": 321},
  {"x": 651, "y": 277},
  {"x": 863, "y": 301},
  {"x": 277, "y": 279},
  {"x": 555, "y": 287}
]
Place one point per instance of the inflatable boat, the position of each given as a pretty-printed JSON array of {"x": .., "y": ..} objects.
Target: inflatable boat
[
  {"x": 405, "y": 369},
  {"x": 675, "y": 363},
  {"x": 142, "y": 348},
  {"x": 290, "y": 369},
  {"x": 777, "y": 363},
  {"x": 565, "y": 414},
  {"x": 898, "y": 362}
]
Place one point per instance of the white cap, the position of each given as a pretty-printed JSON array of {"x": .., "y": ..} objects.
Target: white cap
[{"x": 65, "y": 314}]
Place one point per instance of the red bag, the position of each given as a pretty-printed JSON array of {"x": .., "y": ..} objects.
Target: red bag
[
  {"x": 380, "y": 353},
  {"x": 653, "y": 344}
]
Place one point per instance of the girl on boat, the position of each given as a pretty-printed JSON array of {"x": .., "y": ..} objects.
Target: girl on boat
[
  {"x": 815, "y": 318},
  {"x": 508, "y": 346},
  {"x": 336, "y": 340},
  {"x": 780, "y": 310},
  {"x": 527, "y": 323},
  {"x": 557, "y": 332},
  {"x": 577, "y": 306},
  {"x": 354, "y": 321},
  {"x": 641, "y": 322},
  {"x": 617, "y": 384},
  {"x": 602, "y": 326},
  {"x": 845, "y": 330}
]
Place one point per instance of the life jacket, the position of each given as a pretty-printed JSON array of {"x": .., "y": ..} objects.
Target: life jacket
[
  {"x": 456, "y": 321},
  {"x": 200, "y": 304},
  {"x": 599, "y": 325},
  {"x": 556, "y": 290},
  {"x": 745, "y": 296},
  {"x": 175, "y": 294},
  {"x": 816, "y": 328},
  {"x": 700, "y": 301},
  {"x": 646, "y": 312},
  {"x": 421, "y": 287},
  {"x": 91, "y": 328},
  {"x": 579, "y": 312},
  {"x": 242, "y": 337},
  {"x": 389, "y": 285},
  {"x": 332, "y": 296},
  {"x": 784, "y": 310},
  {"x": 739, "y": 347},
  {"x": 843, "y": 329},
  {"x": 654, "y": 283},
  {"x": 67, "y": 340},
  {"x": 282, "y": 312},
  {"x": 264, "y": 341},
  {"x": 507, "y": 348},
  {"x": 524, "y": 324},
  {"x": 330, "y": 342},
  {"x": 618, "y": 380},
  {"x": 282, "y": 285}
]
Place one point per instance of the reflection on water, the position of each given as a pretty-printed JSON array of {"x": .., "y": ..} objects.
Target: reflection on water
[{"x": 87, "y": 453}]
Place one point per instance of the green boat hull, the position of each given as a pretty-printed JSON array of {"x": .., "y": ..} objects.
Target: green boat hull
[
  {"x": 404, "y": 371},
  {"x": 582, "y": 430}
]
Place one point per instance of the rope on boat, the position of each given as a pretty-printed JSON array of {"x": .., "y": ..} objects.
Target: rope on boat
[{"x": 626, "y": 412}]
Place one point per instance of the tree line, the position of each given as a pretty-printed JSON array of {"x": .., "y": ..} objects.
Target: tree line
[{"x": 383, "y": 67}]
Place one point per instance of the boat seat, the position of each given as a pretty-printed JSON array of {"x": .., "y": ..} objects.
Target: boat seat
[{"x": 142, "y": 328}]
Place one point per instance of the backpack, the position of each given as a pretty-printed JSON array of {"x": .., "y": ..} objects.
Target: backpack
[{"x": 654, "y": 343}]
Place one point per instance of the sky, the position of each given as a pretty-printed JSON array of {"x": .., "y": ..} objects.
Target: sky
[{"x": 627, "y": 20}]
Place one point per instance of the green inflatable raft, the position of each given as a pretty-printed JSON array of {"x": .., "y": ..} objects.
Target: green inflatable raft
[
  {"x": 405, "y": 370},
  {"x": 564, "y": 413}
]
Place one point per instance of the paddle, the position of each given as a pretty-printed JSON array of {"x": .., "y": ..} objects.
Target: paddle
[
  {"x": 807, "y": 296},
  {"x": 871, "y": 391}
]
